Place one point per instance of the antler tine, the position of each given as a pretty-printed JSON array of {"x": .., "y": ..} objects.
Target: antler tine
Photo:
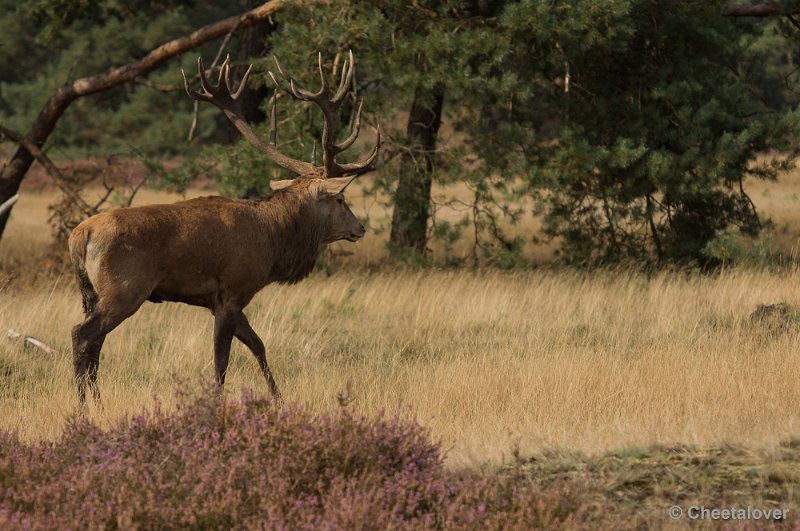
[
  {"x": 186, "y": 84},
  {"x": 204, "y": 83},
  {"x": 273, "y": 120},
  {"x": 363, "y": 166},
  {"x": 323, "y": 80},
  {"x": 196, "y": 94},
  {"x": 356, "y": 129},
  {"x": 346, "y": 79},
  {"x": 298, "y": 92},
  {"x": 280, "y": 71},
  {"x": 225, "y": 73},
  {"x": 293, "y": 88},
  {"x": 5, "y": 207},
  {"x": 296, "y": 88},
  {"x": 278, "y": 86},
  {"x": 243, "y": 83},
  {"x": 331, "y": 121},
  {"x": 220, "y": 95}
]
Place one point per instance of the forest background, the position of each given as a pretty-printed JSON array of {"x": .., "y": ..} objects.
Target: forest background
[{"x": 515, "y": 132}]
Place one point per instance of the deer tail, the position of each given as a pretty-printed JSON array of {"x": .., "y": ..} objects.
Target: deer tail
[{"x": 78, "y": 242}]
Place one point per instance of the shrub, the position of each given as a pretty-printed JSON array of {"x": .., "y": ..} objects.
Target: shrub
[{"x": 247, "y": 463}]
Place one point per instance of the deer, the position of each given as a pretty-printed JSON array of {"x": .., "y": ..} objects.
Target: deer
[
  {"x": 6, "y": 206},
  {"x": 214, "y": 252}
]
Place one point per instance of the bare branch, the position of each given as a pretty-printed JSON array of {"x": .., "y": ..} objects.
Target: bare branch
[
  {"x": 52, "y": 170},
  {"x": 754, "y": 10}
]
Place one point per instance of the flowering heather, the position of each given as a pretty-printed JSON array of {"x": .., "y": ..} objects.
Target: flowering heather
[
  {"x": 220, "y": 464},
  {"x": 248, "y": 463}
]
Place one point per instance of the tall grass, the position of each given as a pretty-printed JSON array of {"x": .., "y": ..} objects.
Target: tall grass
[{"x": 490, "y": 361}]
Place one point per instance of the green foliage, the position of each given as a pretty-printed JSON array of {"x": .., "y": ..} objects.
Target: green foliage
[
  {"x": 47, "y": 43},
  {"x": 448, "y": 234},
  {"x": 658, "y": 119},
  {"x": 633, "y": 125},
  {"x": 729, "y": 247},
  {"x": 53, "y": 17}
]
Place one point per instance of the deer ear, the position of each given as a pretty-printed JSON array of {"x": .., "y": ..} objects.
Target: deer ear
[
  {"x": 335, "y": 185},
  {"x": 280, "y": 185}
]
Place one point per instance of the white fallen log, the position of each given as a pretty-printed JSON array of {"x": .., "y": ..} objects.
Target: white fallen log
[{"x": 30, "y": 342}]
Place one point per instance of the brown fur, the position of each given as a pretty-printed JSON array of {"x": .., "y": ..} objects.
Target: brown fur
[{"x": 211, "y": 252}]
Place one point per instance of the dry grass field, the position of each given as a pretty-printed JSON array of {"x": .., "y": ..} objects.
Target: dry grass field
[{"x": 491, "y": 361}]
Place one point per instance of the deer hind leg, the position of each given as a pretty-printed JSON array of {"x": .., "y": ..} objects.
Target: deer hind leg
[
  {"x": 88, "y": 338},
  {"x": 224, "y": 328},
  {"x": 245, "y": 333}
]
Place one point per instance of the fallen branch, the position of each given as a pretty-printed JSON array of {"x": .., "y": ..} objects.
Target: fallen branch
[{"x": 30, "y": 342}]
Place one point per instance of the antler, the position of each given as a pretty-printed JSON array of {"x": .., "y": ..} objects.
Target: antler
[
  {"x": 220, "y": 95},
  {"x": 8, "y": 204},
  {"x": 330, "y": 114}
]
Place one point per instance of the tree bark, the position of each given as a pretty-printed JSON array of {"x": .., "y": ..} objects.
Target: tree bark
[
  {"x": 253, "y": 43},
  {"x": 413, "y": 195},
  {"x": 15, "y": 169}
]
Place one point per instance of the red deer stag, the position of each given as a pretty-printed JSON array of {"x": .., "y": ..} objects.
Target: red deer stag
[
  {"x": 5, "y": 207},
  {"x": 216, "y": 252}
]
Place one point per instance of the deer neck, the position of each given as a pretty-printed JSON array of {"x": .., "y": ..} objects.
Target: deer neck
[{"x": 296, "y": 238}]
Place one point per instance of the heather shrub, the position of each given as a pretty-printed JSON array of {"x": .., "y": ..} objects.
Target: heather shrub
[{"x": 216, "y": 463}]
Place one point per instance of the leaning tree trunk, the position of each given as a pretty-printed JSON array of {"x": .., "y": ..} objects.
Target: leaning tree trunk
[
  {"x": 14, "y": 171},
  {"x": 413, "y": 195}
]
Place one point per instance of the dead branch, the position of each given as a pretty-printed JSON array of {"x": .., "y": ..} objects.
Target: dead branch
[
  {"x": 30, "y": 342},
  {"x": 74, "y": 207},
  {"x": 37, "y": 153},
  {"x": 52, "y": 170}
]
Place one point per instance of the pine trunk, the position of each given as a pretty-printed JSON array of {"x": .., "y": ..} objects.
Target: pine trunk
[{"x": 413, "y": 195}]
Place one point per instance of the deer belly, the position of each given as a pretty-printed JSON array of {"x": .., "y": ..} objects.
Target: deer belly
[{"x": 194, "y": 291}]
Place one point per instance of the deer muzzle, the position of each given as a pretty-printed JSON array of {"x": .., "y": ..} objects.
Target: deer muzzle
[{"x": 357, "y": 235}]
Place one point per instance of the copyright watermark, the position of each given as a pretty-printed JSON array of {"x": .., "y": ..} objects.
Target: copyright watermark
[{"x": 701, "y": 512}]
